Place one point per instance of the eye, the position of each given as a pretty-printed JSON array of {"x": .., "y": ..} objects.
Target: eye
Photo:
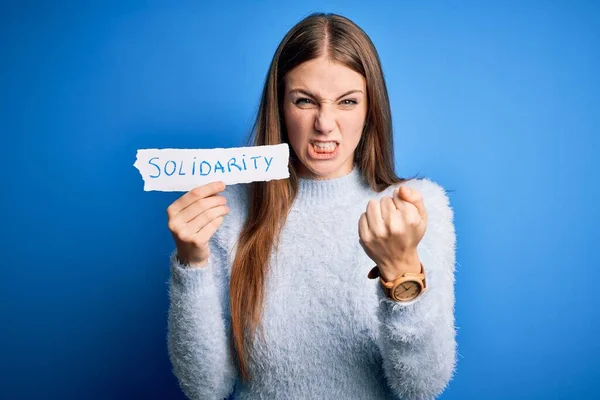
[
  {"x": 303, "y": 101},
  {"x": 349, "y": 102}
]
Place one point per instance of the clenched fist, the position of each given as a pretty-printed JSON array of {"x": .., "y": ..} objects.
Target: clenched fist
[
  {"x": 193, "y": 220},
  {"x": 391, "y": 229}
]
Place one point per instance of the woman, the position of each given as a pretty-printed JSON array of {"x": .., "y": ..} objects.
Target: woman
[{"x": 270, "y": 296}]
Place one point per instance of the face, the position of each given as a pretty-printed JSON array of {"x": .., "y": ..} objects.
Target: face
[{"x": 324, "y": 106}]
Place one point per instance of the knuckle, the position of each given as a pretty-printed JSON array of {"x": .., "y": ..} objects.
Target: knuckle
[
  {"x": 201, "y": 205},
  {"x": 195, "y": 193},
  {"x": 379, "y": 234},
  {"x": 215, "y": 201},
  {"x": 396, "y": 228},
  {"x": 222, "y": 210},
  {"x": 214, "y": 212},
  {"x": 182, "y": 236}
]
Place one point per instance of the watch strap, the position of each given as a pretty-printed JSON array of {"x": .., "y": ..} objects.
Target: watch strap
[{"x": 412, "y": 283}]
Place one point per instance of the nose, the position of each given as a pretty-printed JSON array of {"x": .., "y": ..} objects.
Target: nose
[{"x": 325, "y": 120}]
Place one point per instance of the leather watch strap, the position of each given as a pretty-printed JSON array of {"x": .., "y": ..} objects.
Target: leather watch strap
[{"x": 404, "y": 288}]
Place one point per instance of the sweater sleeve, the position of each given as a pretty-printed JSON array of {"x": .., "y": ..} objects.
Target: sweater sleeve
[
  {"x": 198, "y": 326},
  {"x": 418, "y": 339}
]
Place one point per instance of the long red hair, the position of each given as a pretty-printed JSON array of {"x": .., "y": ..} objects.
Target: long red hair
[{"x": 269, "y": 202}]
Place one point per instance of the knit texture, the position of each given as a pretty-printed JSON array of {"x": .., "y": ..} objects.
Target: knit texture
[{"x": 329, "y": 332}]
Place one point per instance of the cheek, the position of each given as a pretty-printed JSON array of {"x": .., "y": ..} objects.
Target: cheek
[
  {"x": 298, "y": 125},
  {"x": 351, "y": 126}
]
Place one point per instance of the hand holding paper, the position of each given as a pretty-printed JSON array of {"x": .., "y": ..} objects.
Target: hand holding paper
[
  {"x": 193, "y": 220},
  {"x": 171, "y": 170}
]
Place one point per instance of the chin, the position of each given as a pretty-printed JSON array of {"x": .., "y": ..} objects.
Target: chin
[{"x": 322, "y": 170}]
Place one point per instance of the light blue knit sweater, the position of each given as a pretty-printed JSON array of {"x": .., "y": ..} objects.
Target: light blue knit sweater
[{"x": 329, "y": 331}]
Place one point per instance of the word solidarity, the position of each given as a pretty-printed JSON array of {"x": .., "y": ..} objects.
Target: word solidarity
[
  {"x": 205, "y": 168},
  {"x": 170, "y": 170}
]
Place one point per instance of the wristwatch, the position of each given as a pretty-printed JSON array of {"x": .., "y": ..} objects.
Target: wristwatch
[{"x": 407, "y": 287}]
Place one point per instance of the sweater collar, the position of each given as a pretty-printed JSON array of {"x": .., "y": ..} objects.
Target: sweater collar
[{"x": 333, "y": 191}]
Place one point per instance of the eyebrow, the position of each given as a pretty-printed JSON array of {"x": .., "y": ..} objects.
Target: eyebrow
[{"x": 304, "y": 92}]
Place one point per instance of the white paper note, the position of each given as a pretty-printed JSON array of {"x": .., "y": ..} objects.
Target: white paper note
[{"x": 180, "y": 170}]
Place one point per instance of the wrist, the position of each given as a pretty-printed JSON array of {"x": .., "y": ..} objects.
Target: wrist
[
  {"x": 192, "y": 264},
  {"x": 409, "y": 264}
]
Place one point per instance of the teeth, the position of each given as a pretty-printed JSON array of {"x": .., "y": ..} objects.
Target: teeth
[{"x": 325, "y": 146}]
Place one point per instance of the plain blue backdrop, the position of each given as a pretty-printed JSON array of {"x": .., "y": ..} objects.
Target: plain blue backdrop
[{"x": 496, "y": 101}]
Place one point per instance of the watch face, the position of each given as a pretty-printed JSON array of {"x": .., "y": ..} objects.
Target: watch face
[{"x": 407, "y": 290}]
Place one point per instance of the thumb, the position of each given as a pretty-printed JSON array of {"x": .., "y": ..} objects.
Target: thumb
[
  {"x": 414, "y": 197},
  {"x": 405, "y": 193}
]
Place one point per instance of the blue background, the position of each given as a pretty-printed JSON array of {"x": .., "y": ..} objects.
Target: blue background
[{"x": 496, "y": 101}]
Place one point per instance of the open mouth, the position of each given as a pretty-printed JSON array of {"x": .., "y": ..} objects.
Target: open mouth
[
  {"x": 323, "y": 150},
  {"x": 324, "y": 147}
]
